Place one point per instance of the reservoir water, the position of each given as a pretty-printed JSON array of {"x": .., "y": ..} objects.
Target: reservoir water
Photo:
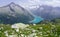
[{"x": 37, "y": 19}]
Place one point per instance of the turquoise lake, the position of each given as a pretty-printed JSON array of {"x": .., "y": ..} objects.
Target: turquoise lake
[{"x": 37, "y": 19}]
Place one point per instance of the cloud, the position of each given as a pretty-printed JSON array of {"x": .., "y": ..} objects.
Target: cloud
[
  {"x": 51, "y": 3},
  {"x": 34, "y": 4},
  {"x": 31, "y": 4},
  {"x": 28, "y": 3}
]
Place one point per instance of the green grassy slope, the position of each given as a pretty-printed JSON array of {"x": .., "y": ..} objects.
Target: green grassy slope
[{"x": 39, "y": 30}]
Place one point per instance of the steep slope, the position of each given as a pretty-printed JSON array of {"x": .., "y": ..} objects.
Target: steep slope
[{"x": 14, "y": 13}]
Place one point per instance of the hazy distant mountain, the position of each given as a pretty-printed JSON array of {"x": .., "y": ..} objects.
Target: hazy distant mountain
[
  {"x": 47, "y": 12},
  {"x": 14, "y": 13}
]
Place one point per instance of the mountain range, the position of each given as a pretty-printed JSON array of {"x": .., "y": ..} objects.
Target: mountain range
[
  {"x": 13, "y": 13},
  {"x": 47, "y": 12}
]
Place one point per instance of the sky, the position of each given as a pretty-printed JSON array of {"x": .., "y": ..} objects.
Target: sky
[{"x": 31, "y": 3}]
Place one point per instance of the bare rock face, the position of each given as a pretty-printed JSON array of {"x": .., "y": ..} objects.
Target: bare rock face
[{"x": 14, "y": 13}]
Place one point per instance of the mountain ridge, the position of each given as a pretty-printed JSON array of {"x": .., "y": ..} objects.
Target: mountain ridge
[
  {"x": 47, "y": 12},
  {"x": 13, "y": 13}
]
